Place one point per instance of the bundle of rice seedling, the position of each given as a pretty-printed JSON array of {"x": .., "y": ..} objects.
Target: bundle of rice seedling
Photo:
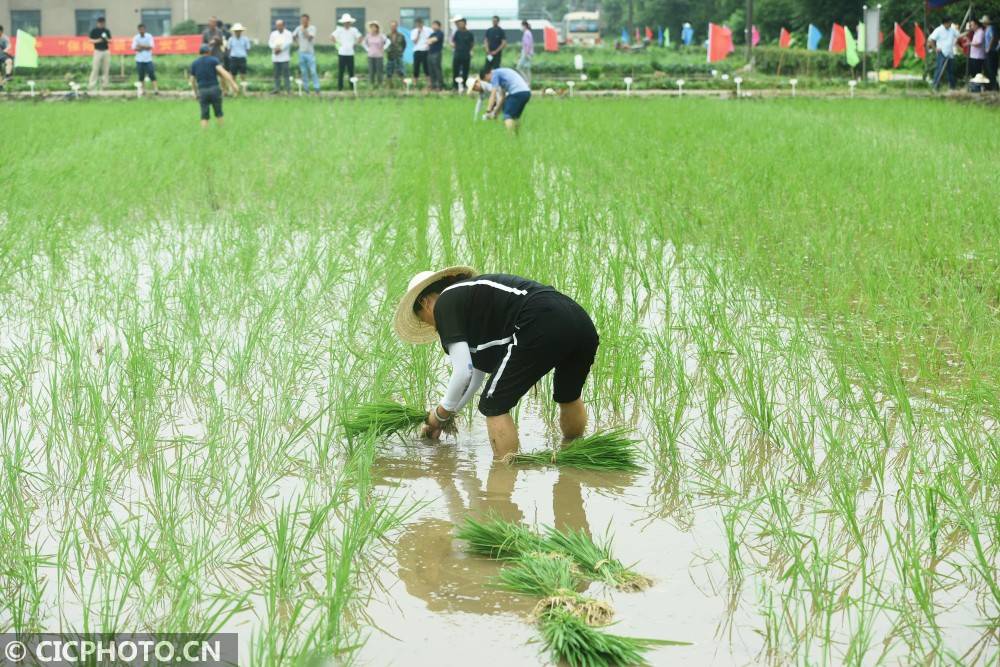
[
  {"x": 554, "y": 578},
  {"x": 497, "y": 538},
  {"x": 570, "y": 639},
  {"x": 608, "y": 450},
  {"x": 595, "y": 560},
  {"x": 386, "y": 417}
]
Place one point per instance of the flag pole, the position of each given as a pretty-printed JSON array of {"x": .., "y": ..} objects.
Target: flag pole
[
  {"x": 864, "y": 45},
  {"x": 749, "y": 34}
]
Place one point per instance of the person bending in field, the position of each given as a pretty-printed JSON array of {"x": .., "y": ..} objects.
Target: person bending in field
[
  {"x": 508, "y": 89},
  {"x": 204, "y": 77},
  {"x": 513, "y": 329}
]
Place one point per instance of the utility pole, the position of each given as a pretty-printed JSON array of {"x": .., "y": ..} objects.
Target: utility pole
[{"x": 749, "y": 34}]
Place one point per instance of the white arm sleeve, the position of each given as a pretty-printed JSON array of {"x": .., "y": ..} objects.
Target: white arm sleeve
[{"x": 462, "y": 378}]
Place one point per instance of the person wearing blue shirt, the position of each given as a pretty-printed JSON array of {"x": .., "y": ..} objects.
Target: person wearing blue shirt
[
  {"x": 204, "y": 77},
  {"x": 507, "y": 88},
  {"x": 239, "y": 47}
]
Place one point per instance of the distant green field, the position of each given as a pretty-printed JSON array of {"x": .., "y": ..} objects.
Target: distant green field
[{"x": 798, "y": 303}]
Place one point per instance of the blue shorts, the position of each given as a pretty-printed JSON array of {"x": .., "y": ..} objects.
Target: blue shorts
[
  {"x": 513, "y": 105},
  {"x": 145, "y": 69}
]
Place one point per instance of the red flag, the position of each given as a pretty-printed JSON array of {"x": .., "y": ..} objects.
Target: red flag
[
  {"x": 785, "y": 40},
  {"x": 649, "y": 33},
  {"x": 720, "y": 42},
  {"x": 900, "y": 42},
  {"x": 838, "y": 42},
  {"x": 919, "y": 44},
  {"x": 551, "y": 36}
]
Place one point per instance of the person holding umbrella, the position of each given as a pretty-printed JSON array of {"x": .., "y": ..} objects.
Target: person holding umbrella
[
  {"x": 511, "y": 328},
  {"x": 943, "y": 40}
]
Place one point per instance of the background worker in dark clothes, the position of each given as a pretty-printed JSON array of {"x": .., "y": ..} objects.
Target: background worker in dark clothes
[
  {"x": 204, "y": 78},
  {"x": 513, "y": 329},
  {"x": 496, "y": 42},
  {"x": 435, "y": 50},
  {"x": 463, "y": 40}
]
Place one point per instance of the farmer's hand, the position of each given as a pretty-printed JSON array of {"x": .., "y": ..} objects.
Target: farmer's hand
[{"x": 432, "y": 427}]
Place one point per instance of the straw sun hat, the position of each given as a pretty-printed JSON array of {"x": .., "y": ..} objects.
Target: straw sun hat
[
  {"x": 346, "y": 18},
  {"x": 237, "y": 27},
  {"x": 409, "y": 327},
  {"x": 979, "y": 79}
]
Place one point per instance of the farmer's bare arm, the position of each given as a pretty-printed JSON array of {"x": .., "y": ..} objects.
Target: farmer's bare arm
[{"x": 228, "y": 78}]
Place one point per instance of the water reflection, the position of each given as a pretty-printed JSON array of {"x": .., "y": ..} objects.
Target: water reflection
[{"x": 432, "y": 564}]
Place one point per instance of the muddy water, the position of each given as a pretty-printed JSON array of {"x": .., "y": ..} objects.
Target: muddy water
[{"x": 436, "y": 605}]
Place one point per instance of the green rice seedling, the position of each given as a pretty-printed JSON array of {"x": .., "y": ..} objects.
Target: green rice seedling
[
  {"x": 554, "y": 578},
  {"x": 385, "y": 418},
  {"x": 595, "y": 560},
  {"x": 608, "y": 450},
  {"x": 568, "y": 638},
  {"x": 497, "y": 538}
]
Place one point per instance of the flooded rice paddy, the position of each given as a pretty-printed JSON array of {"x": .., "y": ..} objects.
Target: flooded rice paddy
[{"x": 813, "y": 381}]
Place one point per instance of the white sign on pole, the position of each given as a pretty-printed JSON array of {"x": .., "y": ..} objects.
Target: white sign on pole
[{"x": 873, "y": 22}]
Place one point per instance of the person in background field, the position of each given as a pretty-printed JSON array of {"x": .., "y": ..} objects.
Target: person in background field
[
  {"x": 507, "y": 88},
  {"x": 992, "y": 56},
  {"x": 347, "y": 38},
  {"x": 527, "y": 51},
  {"x": 375, "y": 43},
  {"x": 977, "y": 48},
  {"x": 395, "y": 46},
  {"x": 942, "y": 41},
  {"x": 463, "y": 41},
  {"x": 280, "y": 43},
  {"x": 420, "y": 36},
  {"x": 100, "y": 68},
  {"x": 511, "y": 327},
  {"x": 143, "y": 44},
  {"x": 6, "y": 62},
  {"x": 435, "y": 46},
  {"x": 214, "y": 38},
  {"x": 226, "y": 36},
  {"x": 496, "y": 42},
  {"x": 239, "y": 47},
  {"x": 305, "y": 38},
  {"x": 204, "y": 78}
]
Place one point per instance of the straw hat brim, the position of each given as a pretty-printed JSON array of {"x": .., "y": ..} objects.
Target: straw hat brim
[
  {"x": 410, "y": 328},
  {"x": 237, "y": 27},
  {"x": 347, "y": 18},
  {"x": 980, "y": 79}
]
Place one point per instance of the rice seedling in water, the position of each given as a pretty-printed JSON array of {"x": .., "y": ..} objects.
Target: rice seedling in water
[
  {"x": 568, "y": 638},
  {"x": 497, "y": 538},
  {"x": 554, "y": 578},
  {"x": 608, "y": 450},
  {"x": 595, "y": 560},
  {"x": 385, "y": 418}
]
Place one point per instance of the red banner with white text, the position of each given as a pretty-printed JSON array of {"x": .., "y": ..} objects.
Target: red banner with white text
[{"x": 65, "y": 45}]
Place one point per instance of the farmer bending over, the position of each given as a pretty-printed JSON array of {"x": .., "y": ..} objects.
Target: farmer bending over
[
  {"x": 510, "y": 328},
  {"x": 508, "y": 88}
]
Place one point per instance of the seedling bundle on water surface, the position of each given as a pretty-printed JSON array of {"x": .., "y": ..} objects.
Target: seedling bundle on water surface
[
  {"x": 386, "y": 417},
  {"x": 552, "y": 565},
  {"x": 608, "y": 450}
]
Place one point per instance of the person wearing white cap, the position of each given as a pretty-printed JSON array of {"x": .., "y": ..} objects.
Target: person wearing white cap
[
  {"x": 238, "y": 48},
  {"x": 511, "y": 328},
  {"x": 347, "y": 38}
]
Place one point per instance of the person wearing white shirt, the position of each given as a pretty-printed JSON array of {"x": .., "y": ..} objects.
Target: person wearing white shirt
[
  {"x": 305, "y": 37},
  {"x": 419, "y": 36},
  {"x": 347, "y": 38},
  {"x": 143, "y": 44},
  {"x": 280, "y": 43},
  {"x": 942, "y": 40}
]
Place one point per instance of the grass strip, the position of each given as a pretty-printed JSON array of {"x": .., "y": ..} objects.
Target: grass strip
[{"x": 606, "y": 450}]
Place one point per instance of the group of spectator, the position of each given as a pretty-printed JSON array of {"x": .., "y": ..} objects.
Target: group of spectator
[
  {"x": 983, "y": 41},
  {"x": 384, "y": 51}
]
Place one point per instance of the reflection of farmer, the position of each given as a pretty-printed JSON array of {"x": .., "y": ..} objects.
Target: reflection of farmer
[
  {"x": 515, "y": 330},
  {"x": 438, "y": 571}
]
